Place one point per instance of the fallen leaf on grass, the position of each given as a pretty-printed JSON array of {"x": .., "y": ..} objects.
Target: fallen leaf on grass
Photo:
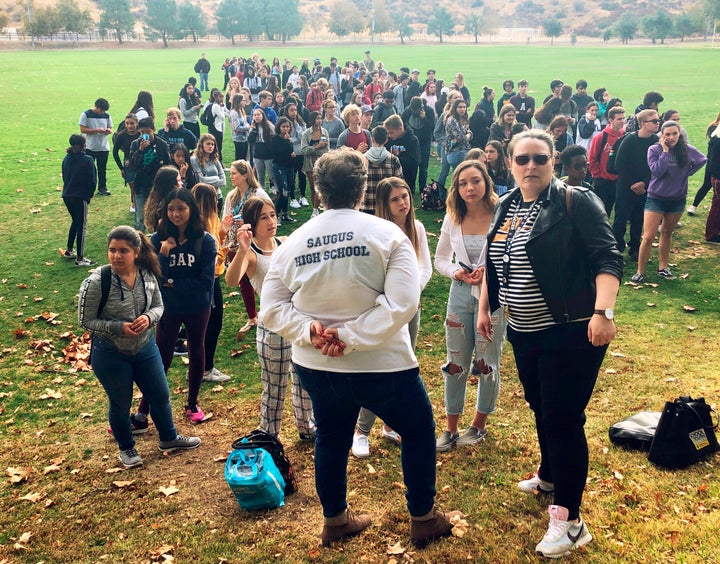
[
  {"x": 610, "y": 371},
  {"x": 651, "y": 284},
  {"x": 396, "y": 549},
  {"x": 617, "y": 354},
  {"x": 460, "y": 526},
  {"x": 651, "y": 304},
  {"x": 50, "y": 394},
  {"x": 162, "y": 551},
  {"x": 683, "y": 276},
  {"x": 691, "y": 328},
  {"x": 51, "y": 468},
  {"x": 371, "y": 469},
  {"x": 618, "y": 475},
  {"x": 170, "y": 490},
  {"x": 314, "y": 554},
  {"x": 25, "y": 537},
  {"x": 123, "y": 483},
  {"x": 235, "y": 352},
  {"x": 18, "y": 475},
  {"x": 689, "y": 308},
  {"x": 185, "y": 360},
  {"x": 113, "y": 470},
  {"x": 33, "y": 497},
  {"x": 220, "y": 458}
]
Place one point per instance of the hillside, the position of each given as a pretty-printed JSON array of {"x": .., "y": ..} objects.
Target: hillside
[{"x": 585, "y": 17}]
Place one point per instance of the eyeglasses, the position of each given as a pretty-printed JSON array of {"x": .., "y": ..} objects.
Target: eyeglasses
[
  {"x": 655, "y": 121},
  {"x": 522, "y": 160}
]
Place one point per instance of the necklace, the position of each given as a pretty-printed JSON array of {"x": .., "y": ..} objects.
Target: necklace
[{"x": 265, "y": 251}]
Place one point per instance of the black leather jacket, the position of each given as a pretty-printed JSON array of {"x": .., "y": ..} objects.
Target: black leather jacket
[{"x": 565, "y": 252}]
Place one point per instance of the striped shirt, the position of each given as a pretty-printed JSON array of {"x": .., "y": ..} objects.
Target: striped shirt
[{"x": 527, "y": 309}]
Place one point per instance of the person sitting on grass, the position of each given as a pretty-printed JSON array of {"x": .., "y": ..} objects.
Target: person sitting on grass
[{"x": 123, "y": 343}]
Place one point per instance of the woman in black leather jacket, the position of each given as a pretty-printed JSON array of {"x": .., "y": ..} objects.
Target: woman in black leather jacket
[{"x": 554, "y": 266}]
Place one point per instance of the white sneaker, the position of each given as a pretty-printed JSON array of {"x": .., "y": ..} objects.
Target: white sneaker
[
  {"x": 214, "y": 375},
  {"x": 303, "y": 202},
  {"x": 315, "y": 213},
  {"x": 132, "y": 209},
  {"x": 360, "y": 446},
  {"x": 294, "y": 203},
  {"x": 562, "y": 536},
  {"x": 536, "y": 485},
  {"x": 692, "y": 210}
]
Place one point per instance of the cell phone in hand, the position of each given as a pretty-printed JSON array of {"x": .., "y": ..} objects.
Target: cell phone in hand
[{"x": 465, "y": 266}]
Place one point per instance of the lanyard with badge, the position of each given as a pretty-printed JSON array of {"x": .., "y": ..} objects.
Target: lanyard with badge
[{"x": 512, "y": 230}]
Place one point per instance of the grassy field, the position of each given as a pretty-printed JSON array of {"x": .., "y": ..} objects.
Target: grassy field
[{"x": 61, "y": 500}]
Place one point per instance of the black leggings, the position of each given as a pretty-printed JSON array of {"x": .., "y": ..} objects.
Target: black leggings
[
  {"x": 212, "y": 333},
  {"x": 704, "y": 189},
  {"x": 77, "y": 208}
]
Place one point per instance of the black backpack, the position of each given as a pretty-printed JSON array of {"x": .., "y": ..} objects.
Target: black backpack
[
  {"x": 610, "y": 167},
  {"x": 432, "y": 197},
  {"x": 206, "y": 118},
  {"x": 261, "y": 439}
]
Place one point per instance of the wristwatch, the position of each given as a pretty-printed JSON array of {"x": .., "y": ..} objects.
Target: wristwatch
[{"x": 608, "y": 313}]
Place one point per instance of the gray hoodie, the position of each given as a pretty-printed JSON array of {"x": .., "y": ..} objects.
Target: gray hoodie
[
  {"x": 124, "y": 304},
  {"x": 377, "y": 155}
]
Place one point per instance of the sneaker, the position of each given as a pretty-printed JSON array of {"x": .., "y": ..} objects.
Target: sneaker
[
  {"x": 180, "y": 442},
  {"x": 180, "y": 349},
  {"x": 303, "y": 202},
  {"x": 472, "y": 436},
  {"x": 637, "y": 278},
  {"x": 130, "y": 458},
  {"x": 104, "y": 192},
  {"x": 278, "y": 222},
  {"x": 692, "y": 210},
  {"x": 713, "y": 240},
  {"x": 214, "y": 375},
  {"x": 353, "y": 525},
  {"x": 360, "y": 446},
  {"x": 67, "y": 254},
  {"x": 391, "y": 436},
  {"x": 562, "y": 536},
  {"x": 665, "y": 273},
  {"x": 294, "y": 203},
  {"x": 138, "y": 424},
  {"x": 195, "y": 416},
  {"x": 84, "y": 262},
  {"x": 315, "y": 213},
  {"x": 287, "y": 219},
  {"x": 446, "y": 441},
  {"x": 132, "y": 209},
  {"x": 440, "y": 525},
  {"x": 536, "y": 485}
]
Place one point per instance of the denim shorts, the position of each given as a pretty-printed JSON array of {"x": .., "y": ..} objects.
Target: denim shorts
[{"x": 662, "y": 205}]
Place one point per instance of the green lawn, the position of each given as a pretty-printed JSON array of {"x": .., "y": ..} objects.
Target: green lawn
[{"x": 637, "y": 513}]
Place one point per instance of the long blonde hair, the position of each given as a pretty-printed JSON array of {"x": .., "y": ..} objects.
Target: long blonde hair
[
  {"x": 455, "y": 206},
  {"x": 382, "y": 207}
]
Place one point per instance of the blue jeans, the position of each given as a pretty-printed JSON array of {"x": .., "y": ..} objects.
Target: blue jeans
[
  {"x": 400, "y": 399},
  {"x": 462, "y": 340},
  {"x": 117, "y": 371},
  {"x": 204, "y": 81},
  {"x": 140, "y": 199},
  {"x": 285, "y": 182},
  {"x": 444, "y": 166},
  {"x": 558, "y": 368}
]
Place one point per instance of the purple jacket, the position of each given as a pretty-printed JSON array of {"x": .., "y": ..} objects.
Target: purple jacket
[{"x": 668, "y": 181}]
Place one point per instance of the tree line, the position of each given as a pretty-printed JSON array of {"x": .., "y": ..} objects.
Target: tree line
[{"x": 168, "y": 20}]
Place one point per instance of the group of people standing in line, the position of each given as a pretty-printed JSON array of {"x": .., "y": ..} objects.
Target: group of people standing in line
[{"x": 541, "y": 264}]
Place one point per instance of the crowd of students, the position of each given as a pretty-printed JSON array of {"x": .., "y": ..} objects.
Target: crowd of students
[{"x": 283, "y": 119}]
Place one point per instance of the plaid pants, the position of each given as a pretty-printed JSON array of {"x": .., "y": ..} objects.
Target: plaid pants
[{"x": 274, "y": 353}]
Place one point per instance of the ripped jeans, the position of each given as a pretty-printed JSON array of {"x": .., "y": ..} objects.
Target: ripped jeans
[{"x": 462, "y": 340}]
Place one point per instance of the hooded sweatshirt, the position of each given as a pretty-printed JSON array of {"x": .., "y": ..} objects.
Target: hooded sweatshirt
[
  {"x": 79, "y": 176},
  {"x": 381, "y": 164},
  {"x": 599, "y": 153}
]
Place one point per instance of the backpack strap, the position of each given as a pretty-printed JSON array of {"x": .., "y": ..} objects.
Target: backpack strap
[
  {"x": 568, "y": 201},
  {"x": 105, "y": 282}
]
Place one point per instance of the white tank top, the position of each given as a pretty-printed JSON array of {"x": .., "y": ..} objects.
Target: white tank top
[{"x": 262, "y": 265}]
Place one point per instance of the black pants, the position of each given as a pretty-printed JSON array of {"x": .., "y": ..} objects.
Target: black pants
[
  {"x": 558, "y": 368},
  {"x": 629, "y": 206},
  {"x": 101, "y": 159},
  {"x": 77, "y": 208},
  {"x": 194, "y": 127},
  {"x": 704, "y": 189},
  {"x": 302, "y": 179},
  {"x": 423, "y": 167},
  {"x": 214, "y": 326},
  {"x": 241, "y": 150},
  {"x": 605, "y": 189},
  {"x": 218, "y": 140}
]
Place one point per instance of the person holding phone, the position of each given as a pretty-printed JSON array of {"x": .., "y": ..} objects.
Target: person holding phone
[{"x": 460, "y": 256}]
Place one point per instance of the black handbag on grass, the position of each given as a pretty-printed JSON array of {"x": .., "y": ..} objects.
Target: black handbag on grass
[
  {"x": 636, "y": 432},
  {"x": 685, "y": 434}
]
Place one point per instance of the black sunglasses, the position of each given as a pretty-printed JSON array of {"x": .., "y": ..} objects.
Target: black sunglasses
[{"x": 522, "y": 160}]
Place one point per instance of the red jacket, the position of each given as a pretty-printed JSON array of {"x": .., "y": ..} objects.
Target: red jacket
[
  {"x": 314, "y": 100},
  {"x": 370, "y": 91},
  {"x": 598, "y": 156}
]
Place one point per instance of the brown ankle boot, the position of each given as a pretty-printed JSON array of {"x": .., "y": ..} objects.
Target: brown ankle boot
[
  {"x": 343, "y": 526},
  {"x": 425, "y": 531}
]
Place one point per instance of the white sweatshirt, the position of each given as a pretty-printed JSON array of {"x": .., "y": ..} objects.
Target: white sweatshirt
[{"x": 349, "y": 270}]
